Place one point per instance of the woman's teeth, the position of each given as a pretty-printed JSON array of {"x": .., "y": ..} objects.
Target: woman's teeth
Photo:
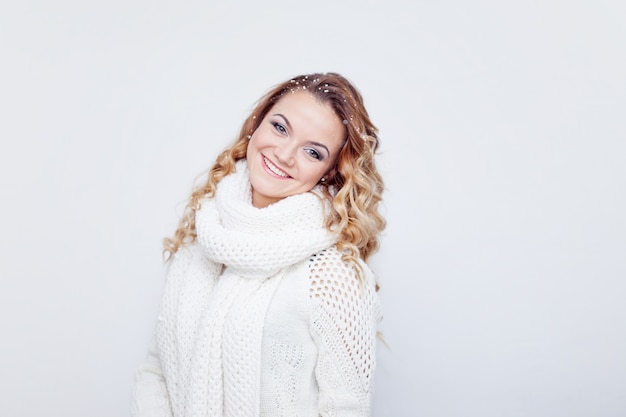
[{"x": 274, "y": 168}]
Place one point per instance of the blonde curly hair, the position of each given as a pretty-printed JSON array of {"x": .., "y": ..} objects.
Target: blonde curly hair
[{"x": 354, "y": 191}]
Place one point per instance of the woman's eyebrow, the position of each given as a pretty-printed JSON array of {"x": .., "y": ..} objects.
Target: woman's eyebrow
[
  {"x": 321, "y": 145},
  {"x": 284, "y": 118}
]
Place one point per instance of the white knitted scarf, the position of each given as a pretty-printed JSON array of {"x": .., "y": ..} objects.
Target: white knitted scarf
[{"x": 240, "y": 257}]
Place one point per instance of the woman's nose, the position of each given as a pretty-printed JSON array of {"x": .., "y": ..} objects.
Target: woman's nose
[{"x": 286, "y": 153}]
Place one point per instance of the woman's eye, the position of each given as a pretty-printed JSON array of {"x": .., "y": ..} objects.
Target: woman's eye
[
  {"x": 315, "y": 154},
  {"x": 279, "y": 128}
]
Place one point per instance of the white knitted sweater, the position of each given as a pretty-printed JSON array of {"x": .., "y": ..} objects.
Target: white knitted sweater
[{"x": 261, "y": 317}]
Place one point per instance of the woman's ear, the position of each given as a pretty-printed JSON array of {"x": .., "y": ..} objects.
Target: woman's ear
[{"x": 330, "y": 175}]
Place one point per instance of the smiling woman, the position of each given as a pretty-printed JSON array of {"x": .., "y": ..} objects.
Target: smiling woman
[
  {"x": 269, "y": 307},
  {"x": 293, "y": 148}
]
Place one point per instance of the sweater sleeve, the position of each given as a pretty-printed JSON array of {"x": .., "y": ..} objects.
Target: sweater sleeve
[
  {"x": 150, "y": 395},
  {"x": 344, "y": 319}
]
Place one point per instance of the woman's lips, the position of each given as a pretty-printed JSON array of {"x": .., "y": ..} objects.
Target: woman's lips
[{"x": 269, "y": 165}]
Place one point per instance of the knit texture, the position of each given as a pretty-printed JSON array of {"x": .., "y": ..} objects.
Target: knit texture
[
  {"x": 344, "y": 321},
  {"x": 253, "y": 324}
]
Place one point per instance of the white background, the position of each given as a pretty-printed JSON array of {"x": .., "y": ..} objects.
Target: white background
[{"x": 502, "y": 123}]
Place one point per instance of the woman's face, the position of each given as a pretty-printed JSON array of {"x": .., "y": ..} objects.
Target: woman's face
[{"x": 295, "y": 145}]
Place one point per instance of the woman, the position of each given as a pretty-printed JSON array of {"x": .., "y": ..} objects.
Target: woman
[{"x": 269, "y": 308}]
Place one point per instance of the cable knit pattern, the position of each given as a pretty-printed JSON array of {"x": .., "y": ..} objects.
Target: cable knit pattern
[{"x": 252, "y": 323}]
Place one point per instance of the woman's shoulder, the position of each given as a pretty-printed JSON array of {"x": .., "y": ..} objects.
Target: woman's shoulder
[
  {"x": 332, "y": 276},
  {"x": 332, "y": 259}
]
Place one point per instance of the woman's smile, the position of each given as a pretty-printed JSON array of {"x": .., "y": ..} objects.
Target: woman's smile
[{"x": 273, "y": 169}]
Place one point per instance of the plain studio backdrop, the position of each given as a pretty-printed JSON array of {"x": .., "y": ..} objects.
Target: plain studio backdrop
[{"x": 503, "y": 267}]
